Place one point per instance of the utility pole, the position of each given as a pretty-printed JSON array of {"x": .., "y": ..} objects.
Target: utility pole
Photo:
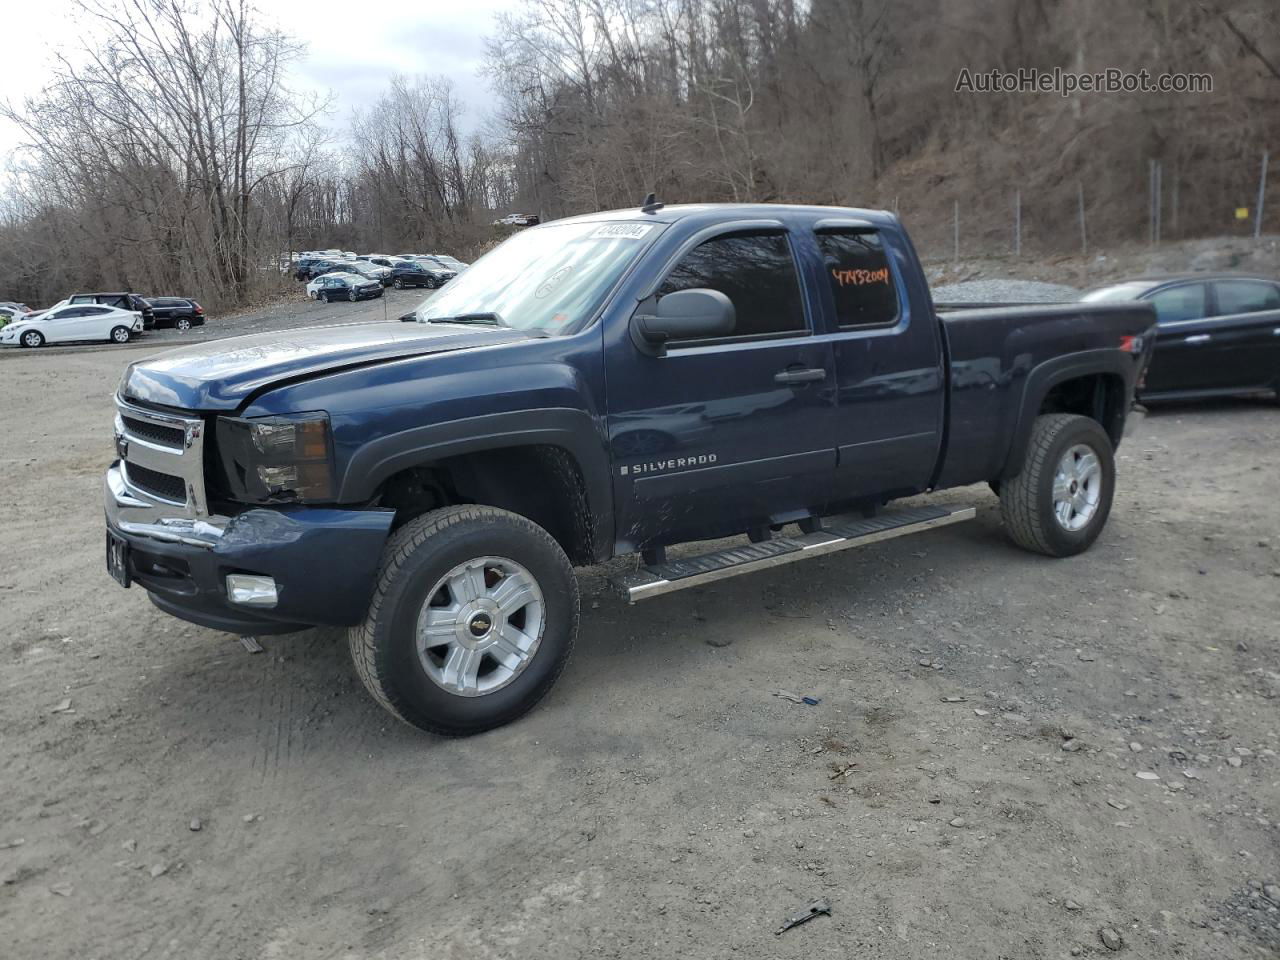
[
  {"x": 1084, "y": 237},
  {"x": 956, "y": 231},
  {"x": 1017, "y": 223},
  {"x": 1262, "y": 195}
]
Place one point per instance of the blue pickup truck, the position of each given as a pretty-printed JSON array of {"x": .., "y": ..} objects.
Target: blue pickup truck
[{"x": 603, "y": 385}]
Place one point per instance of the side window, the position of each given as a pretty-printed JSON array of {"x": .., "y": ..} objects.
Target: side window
[
  {"x": 1246, "y": 296},
  {"x": 755, "y": 271},
  {"x": 82, "y": 299},
  {"x": 69, "y": 313},
  {"x": 1179, "y": 303},
  {"x": 861, "y": 282}
]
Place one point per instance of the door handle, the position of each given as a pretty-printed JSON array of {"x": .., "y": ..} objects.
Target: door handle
[
  {"x": 1199, "y": 338},
  {"x": 795, "y": 375}
]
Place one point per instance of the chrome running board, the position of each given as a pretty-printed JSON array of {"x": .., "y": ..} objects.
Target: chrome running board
[{"x": 837, "y": 534}]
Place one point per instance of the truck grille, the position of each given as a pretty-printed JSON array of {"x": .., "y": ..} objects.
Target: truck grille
[
  {"x": 162, "y": 456},
  {"x": 168, "y": 436},
  {"x": 157, "y": 484}
]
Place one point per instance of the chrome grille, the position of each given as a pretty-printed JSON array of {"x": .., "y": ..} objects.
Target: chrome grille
[
  {"x": 160, "y": 485},
  {"x": 163, "y": 458},
  {"x": 168, "y": 436}
]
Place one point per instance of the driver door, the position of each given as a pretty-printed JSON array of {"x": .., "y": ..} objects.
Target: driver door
[{"x": 716, "y": 436}]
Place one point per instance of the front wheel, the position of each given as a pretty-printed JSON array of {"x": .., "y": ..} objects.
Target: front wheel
[
  {"x": 120, "y": 334},
  {"x": 473, "y": 619},
  {"x": 1059, "y": 502},
  {"x": 398, "y": 283},
  {"x": 352, "y": 295},
  {"x": 33, "y": 338}
]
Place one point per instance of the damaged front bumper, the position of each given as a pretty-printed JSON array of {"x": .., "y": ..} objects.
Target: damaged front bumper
[{"x": 323, "y": 560}]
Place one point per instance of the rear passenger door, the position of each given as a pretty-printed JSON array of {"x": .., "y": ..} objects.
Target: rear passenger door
[
  {"x": 888, "y": 365},
  {"x": 719, "y": 435},
  {"x": 1246, "y": 335}
]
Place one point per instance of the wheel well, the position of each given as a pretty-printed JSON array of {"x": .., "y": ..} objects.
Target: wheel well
[
  {"x": 541, "y": 482},
  {"x": 1099, "y": 396}
]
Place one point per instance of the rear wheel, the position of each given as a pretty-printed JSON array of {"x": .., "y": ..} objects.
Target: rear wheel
[
  {"x": 1059, "y": 502},
  {"x": 473, "y": 619},
  {"x": 182, "y": 323},
  {"x": 33, "y": 338},
  {"x": 120, "y": 334}
]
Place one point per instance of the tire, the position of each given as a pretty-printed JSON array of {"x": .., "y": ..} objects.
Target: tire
[
  {"x": 32, "y": 338},
  {"x": 119, "y": 334},
  {"x": 412, "y": 580},
  {"x": 398, "y": 283},
  {"x": 352, "y": 295},
  {"x": 182, "y": 324},
  {"x": 1059, "y": 521}
]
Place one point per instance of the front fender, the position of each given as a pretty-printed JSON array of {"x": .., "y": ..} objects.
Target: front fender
[{"x": 572, "y": 430}]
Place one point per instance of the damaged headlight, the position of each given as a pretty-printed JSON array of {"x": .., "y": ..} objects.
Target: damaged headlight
[{"x": 277, "y": 459}]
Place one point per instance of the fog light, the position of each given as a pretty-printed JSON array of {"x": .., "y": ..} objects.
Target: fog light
[{"x": 251, "y": 591}]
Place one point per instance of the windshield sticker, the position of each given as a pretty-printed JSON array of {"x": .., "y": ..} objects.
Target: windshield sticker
[
  {"x": 553, "y": 281},
  {"x": 858, "y": 278},
  {"x": 622, "y": 231}
]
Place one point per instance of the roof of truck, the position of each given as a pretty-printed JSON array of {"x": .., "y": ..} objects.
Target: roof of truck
[{"x": 736, "y": 211}]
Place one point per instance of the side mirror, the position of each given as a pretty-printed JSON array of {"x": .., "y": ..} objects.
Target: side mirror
[
  {"x": 408, "y": 318},
  {"x": 684, "y": 315}
]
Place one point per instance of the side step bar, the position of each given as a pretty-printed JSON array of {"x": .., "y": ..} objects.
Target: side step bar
[{"x": 653, "y": 581}]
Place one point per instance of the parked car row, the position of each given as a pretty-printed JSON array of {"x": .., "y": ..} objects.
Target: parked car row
[
  {"x": 350, "y": 275},
  {"x": 115, "y": 317}
]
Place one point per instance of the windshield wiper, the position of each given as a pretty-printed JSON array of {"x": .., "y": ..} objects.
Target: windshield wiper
[{"x": 485, "y": 319}]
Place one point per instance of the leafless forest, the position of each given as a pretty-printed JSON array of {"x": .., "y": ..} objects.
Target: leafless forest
[{"x": 174, "y": 157}]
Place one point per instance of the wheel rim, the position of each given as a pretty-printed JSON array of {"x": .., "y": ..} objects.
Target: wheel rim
[
  {"x": 480, "y": 626},
  {"x": 31, "y": 339},
  {"x": 120, "y": 335},
  {"x": 1077, "y": 488},
  {"x": 184, "y": 324}
]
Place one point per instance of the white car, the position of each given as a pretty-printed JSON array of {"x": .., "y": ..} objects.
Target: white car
[{"x": 77, "y": 321}]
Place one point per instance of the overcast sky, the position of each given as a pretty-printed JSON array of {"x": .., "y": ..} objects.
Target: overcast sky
[{"x": 352, "y": 48}]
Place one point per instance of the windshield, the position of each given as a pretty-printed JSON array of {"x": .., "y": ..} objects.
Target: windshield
[
  {"x": 1121, "y": 291},
  {"x": 550, "y": 279}
]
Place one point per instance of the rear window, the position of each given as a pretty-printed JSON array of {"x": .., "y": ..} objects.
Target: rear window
[
  {"x": 1246, "y": 296},
  {"x": 861, "y": 282}
]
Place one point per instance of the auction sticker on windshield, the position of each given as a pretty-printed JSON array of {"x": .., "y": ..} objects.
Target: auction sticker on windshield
[{"x": 622, "y": 231}]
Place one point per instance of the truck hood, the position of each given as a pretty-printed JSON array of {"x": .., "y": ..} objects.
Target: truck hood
[{"x": 222, "y": 374}]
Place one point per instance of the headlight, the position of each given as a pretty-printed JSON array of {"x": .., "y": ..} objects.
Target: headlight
[{"x": 277, "y": 459}]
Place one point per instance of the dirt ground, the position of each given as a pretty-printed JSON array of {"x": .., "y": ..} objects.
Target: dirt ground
[{"x": 978, "y": 780}]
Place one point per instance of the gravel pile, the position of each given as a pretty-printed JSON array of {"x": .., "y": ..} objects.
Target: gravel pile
[{"x": 1003, "y": 291}]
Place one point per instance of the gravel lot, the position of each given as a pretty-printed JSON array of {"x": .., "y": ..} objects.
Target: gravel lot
[{"x": 978, "y": 780}]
